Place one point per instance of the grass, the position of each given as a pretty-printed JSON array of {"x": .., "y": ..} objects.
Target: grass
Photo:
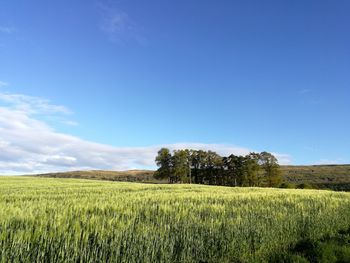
[
  {"x": 327, "y": 250},
  {"x": 142, "y": 176},
  {"x": 72, "y": 220},
  {"x": 335, "y": 177}
]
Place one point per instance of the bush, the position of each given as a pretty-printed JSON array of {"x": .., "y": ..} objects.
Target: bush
[
  {"x": 305, "y": 186},
  {"x": 288, "y": 186}
]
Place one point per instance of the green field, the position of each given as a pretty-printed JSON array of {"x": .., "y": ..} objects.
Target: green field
[
  {"x": 141, "y": 176},
  {"x": 335, "y": 177},
  {"x": 72, "y": 220}
]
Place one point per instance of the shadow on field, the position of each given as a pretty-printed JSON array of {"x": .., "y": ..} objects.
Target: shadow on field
[{"x": 328, "y": 250}]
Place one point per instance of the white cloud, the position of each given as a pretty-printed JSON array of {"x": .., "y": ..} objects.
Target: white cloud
[
  {"x": 31, "y": 105},
  {"x": 116, "y": 22},
  {"x": 70, "y": 123},
  {"x": 3, "y": 84},
  {"x": 284, "y": 159},
  {"x": 29, "y": 145},
  {"x": 118, "y": 25},
  {"x": 7, "y": 30}
]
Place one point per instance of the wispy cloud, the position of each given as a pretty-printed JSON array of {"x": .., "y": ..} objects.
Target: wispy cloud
[
  {"x": 30, "y": 145},
  {"x": 308, "y": 96},
  {"x": 31, "y": 105},
  {"x": 118, "y": 25},
  {"x": 304, "y": 91},
  {"x": 70, "y": 123},
  {"x": 3, "y": 84},
  {"x": 7, "y": 30}
]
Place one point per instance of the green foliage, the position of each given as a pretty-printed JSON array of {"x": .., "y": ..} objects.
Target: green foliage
[
  {"x": 120, "y": 176},
  {"x": 163, "y": 160},
  {"x": 211, "y": 168},
  {"x": 327, "y": 250},
  {"x": 335, "y": 177},
  {"x": 181, "y": 166},
  {"x": 70, "y": 220},
  {"x": 288, "y": 258},
  {"x": 271, "y": 169},
  {"x": 305, "y": 186},
  {"x": 288, "y": 186},
  {"x": 252, "y": 169},
  {"x": 297, "y": 259}
]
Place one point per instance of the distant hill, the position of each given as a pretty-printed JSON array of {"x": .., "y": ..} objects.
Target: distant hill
[
  {"x": 144, "y": 176},
  {"x": 336, "y": 177}
]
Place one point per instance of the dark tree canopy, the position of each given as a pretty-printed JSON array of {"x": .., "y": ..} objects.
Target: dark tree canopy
[
  {"x": 270, "y": 166},
  {"x": 164, "y": 162},
  {"x": 208, "y": 167}
]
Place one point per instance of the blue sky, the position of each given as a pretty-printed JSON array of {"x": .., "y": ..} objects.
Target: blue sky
[{"x": 131, "y": 76}]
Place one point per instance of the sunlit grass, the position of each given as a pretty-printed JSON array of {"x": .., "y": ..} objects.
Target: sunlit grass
[{"x": 70, "y": 220}]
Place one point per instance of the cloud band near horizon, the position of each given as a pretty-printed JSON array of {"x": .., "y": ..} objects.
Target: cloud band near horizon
[{"x": 29, "y": 145}]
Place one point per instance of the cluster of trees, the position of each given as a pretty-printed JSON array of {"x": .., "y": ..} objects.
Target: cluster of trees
[{"x": 207, "y": 167}]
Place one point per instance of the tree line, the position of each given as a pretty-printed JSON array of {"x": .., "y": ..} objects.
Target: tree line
[{"x": 208, "y": 167}]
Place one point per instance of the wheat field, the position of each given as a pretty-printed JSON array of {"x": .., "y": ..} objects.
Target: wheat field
[{"x": 72, "y": 220}]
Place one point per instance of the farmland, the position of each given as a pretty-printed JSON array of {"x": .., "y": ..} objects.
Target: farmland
[
  {"x": 142, "y": 176},
  {"x": 73, "y": 220},
  {"x": 335, "y": 177}
]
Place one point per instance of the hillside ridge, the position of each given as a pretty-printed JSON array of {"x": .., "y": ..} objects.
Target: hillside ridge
[{"x": 333, "y": 176}]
